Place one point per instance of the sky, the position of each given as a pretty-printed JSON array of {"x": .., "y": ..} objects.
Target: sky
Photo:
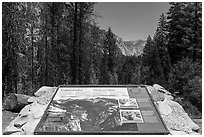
[{"x": 131, "y": 20}]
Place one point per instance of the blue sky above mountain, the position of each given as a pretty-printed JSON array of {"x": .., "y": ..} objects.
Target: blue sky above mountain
[{"x": 131, "y": 20}]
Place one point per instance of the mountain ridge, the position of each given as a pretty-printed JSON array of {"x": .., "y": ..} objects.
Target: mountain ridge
[{"x": 130, "y": 48}]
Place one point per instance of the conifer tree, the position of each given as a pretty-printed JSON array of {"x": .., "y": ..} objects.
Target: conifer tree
[
  {"x": 110, "y": 52},
  {"x": 160, "y": 39},
  {"x": 111, "y": 47},
  {"x": 148, "y": 56},
  {"x": 184, "y": 30},
  {"x": 9, "y": 49}
]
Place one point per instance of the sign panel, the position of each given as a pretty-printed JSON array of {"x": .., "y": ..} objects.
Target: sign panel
[
  {"x": 91, "y": 92},
  {"x": 101, "y": 110}
]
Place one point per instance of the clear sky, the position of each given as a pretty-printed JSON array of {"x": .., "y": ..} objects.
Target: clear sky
[{"x": 131, "y": 20}]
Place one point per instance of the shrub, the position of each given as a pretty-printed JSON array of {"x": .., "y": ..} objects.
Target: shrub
[{"x": 191, "y": 110}]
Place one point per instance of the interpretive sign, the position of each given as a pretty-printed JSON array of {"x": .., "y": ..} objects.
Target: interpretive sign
[{"x": 101, "y": 110}]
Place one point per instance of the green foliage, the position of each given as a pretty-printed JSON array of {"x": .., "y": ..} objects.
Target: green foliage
[
  {"x": 153, "y": 62},
  {"x": 148, "y": 52},
  {"x": 10, "y": 41},
  {"x": 108, "y": 63},
  {"x": 104, "y": 73},
  {"x": 60, "y": 43},
  {"x": 38, "y": 45},
  {"x": 190, "y": 109},
  {"x": 110, "y": 49},
  {"x": 173, "y": 57},
  {"x": 160, "y": 39},
  {"x": 184, "y": 30},
  {"x": 185, "y": 80}
]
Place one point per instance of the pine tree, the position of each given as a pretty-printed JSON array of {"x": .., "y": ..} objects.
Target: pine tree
[
  {"x": 9, "y": 55},
  {"x": 148, "y": 52},
  {"x": 110, "y": 52},
  {"x": 111, "y": 49},
  {"x": 152, "y": 60},
  {"x": 105, "y": 74},
  {"x": 160, "y": 39},
  {"x": 184, "y": 30},
  {"x": 85, "y": 21},
  {"x": 176, "y": 36},
  {"x": 193, "y": 15}
]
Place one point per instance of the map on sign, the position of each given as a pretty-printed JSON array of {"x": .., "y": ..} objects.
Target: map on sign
[{"x": 101, "y": 109}]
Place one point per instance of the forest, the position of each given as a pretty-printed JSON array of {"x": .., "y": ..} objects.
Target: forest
[{"x": 57, "y": 43}]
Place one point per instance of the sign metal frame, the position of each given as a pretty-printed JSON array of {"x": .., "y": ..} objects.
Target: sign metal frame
[{"x": 44, "y": 117}]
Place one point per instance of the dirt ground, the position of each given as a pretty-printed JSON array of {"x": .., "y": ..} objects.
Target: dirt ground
[{"x": 7, "y": 117}]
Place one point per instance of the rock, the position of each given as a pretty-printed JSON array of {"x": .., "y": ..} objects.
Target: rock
[
  {"x": 175, "y": 132},
  {"x": 44, "y": 90},
  {"x": 32, "y": 99},
  {"x": 190, "y": 122},
  {"x": 164, "y": 108},
  {"x": 194, "y": 133},
  {"x": 27, "y": 119},
  {"x": 19, "y": 121},
  {"x": 10, "y": 102},
  {"x": 31, "y": 124},
  {"x": 161, "y": 89},
  {"x": 178, "y": 119},
  {"x": 37, "y": 110},
  {"x": 15, "y": 102},
  {"x": 44, "y": 95},
  {"x": 30, "y": 115},
  {"x": 168, "y": 97},
  {"x": 45, "y": 99},
  {"x": 22, "y": 121},
  {"x": 25, "y": 111},
  {"x": 173, "y": 114},
  {"x": 13, "y": 133},
  {"x": 150, "y": 89},
  {"x": 12, "y": 128},
  {"x": 19, "y": 133},
  {"x": 156, "y": 96},
  {"x": 22, "y": 99}
]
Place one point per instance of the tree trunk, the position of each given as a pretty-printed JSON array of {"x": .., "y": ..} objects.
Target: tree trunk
[
  {"x": 74, "y": 52},
  {"x": 158, "y": 67},
  {"x": 80, "y": 44},
  {"x": 45, "y": 79},
  {"x": 32, "y": 45},
  {"x": 195, "y": 31}
]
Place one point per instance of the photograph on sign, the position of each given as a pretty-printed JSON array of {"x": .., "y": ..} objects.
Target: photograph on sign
[
  {"x": 97, "y": 114},
  {"x": 128, "y": 103},
  {"x": 131, "y": 116}
]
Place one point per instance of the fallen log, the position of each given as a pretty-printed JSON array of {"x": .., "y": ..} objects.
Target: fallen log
[{"x": 15, "y": 102}]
